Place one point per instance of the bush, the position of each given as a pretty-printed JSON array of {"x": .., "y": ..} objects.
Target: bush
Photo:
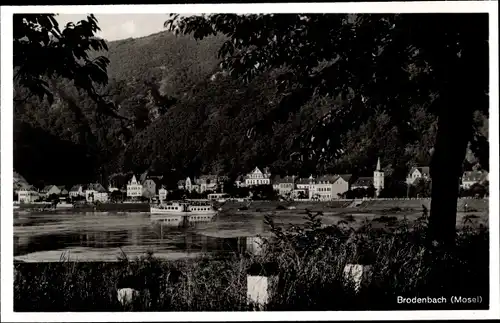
[{"x": 310, "y": 260}]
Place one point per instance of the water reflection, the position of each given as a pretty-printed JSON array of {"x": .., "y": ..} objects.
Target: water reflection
[{"x": 100, "y": 236}]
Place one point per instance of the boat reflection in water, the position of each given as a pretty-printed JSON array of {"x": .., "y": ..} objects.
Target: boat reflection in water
[{"x": 183, "y": 213}]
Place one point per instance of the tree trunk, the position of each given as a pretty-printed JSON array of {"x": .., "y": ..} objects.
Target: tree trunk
[{"x": 454, "y": 131}]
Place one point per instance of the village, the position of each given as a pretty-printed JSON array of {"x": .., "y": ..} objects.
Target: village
[{"x": 146, "y": 188}]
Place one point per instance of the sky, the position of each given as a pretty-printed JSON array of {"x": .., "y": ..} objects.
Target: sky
[{"x": 121, "y": 26}]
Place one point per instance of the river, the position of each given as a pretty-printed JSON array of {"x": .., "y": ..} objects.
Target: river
[{"x": 40, "y": 237}]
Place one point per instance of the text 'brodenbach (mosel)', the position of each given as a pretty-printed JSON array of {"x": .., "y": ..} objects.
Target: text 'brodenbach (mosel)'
[{"x": 440, "y": 300}]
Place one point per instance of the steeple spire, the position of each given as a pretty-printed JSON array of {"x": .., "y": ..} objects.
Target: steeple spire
[{"x": 378, "y": 164}]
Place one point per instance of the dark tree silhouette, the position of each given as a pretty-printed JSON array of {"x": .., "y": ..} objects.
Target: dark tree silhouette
[
  {"x": 43, "y": 52},
  {"x": 375, "y": 62}
]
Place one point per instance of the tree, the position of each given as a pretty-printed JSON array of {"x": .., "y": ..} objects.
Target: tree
[
  {"x": 116, "y": 196},
  {"x": 422, "y": 187},
  {"x": 43, "y": 52},
  {"x": 374, "y": 62}
]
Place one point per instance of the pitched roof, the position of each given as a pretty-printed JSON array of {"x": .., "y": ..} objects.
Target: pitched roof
[
  {"x": 303, "y": 181},
  {"x": 96, "y": 187},
  {"x": 76, "y": 188},
  {"x": 329, "y": 179},
  {"x": 47, "y": 188},
  {"x": 363, "y": 181},
  {"x": 346, "y": 177},
  {"x": 424, "y": 170},
  {"x": 475, "y": 176}
]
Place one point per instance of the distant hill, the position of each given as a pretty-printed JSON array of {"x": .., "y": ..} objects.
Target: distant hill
[
  {"x": 175, "y": 62},
  {"x": 185, "y": 119}
]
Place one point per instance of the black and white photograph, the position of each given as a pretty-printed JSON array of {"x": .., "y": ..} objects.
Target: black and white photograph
[{"x": 250, "y": 158}]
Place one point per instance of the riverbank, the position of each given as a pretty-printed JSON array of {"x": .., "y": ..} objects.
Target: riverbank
[
  {"x": 99, "y": 207},
  {"x": 310, "y": 259}
]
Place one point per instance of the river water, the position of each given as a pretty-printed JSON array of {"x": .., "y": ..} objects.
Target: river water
[{"x": 103, "y": 236}]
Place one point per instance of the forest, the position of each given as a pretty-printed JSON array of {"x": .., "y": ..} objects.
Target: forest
[{"x": 182, "y": 115}]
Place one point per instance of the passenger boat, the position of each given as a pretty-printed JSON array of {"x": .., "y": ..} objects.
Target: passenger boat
[{"x": 194, "y": 211}]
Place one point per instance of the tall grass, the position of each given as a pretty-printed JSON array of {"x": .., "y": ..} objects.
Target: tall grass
[{"x": 310, "y": 261}]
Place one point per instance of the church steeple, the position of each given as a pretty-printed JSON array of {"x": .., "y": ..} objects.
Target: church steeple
[{"x": 378, "y": 164}]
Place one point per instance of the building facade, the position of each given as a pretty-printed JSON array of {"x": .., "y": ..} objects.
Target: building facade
[
  {"x": 162, "y": 194},
  {"x": 50, "y": 189},
  {"x": 416, "y": 173},
  {"x": 77, "y": 190},
  {"x": 470, "y": 178},
  {"x": 257, "y": 177},
  {"x": 28, "y": 195},
  {"x": 149, "y": 188},
  {"x": 96, "y": 193},
  {"x": 134, "y": 188}
]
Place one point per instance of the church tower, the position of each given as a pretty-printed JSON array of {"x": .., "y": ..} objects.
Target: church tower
[{"x": 378, "y": 179}]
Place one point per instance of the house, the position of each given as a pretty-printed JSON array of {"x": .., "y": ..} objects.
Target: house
[
  {"x": 96, "y": 193},
  {"x": 362, "y": 182},
  {"x": 305, "y": 183},
  {"x": 341, "y": 185},
  {"x": 416, "y": 173},
  {"x": 162, "y": 194},
  {"x": 63, "y": 189},
  {"x": 473, "y": 177},
  {"x": 285, "y": 184},
  {"x": 18, "y": 186},
  {"x": 240, "y": 181},
  {"x": 322, "y": 188},
  {"x": 50, "y": 189},
  {"x": 77, "y": 190},
  {"x": 188, "y": 185},
  {"x": 207, "y": 183},
  {"x": 257, "y": 177},
  {"x": 19, "y": 183},
  {"x": 149, "y": 188},
  {"x": 134, "y": 188},
  {"x": 27, "y": 195}
]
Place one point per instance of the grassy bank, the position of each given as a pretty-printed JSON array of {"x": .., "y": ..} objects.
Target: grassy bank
[
  {"x": 99, "y": 207},
  {"x": 310, "y": 261}
]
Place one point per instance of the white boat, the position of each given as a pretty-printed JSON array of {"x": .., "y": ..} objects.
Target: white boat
[{"x": 191, "y": 208}]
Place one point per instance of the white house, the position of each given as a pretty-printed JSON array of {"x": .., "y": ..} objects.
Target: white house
[
  {"x": 473, "y": 177},
  {"x": 322, "y": 188},
  {"x": 134, "y": 188},
  {"x": 77, "y": 190},
  {"x": 51, "y": 189},
  {"x": 284, "y": 185},
  {"x": 96, "y": 193},
  {"x": 416, "y": 173},
  {"x": 27, "y": 195},
  {"x": 257, "y": 177},
  {"x": 240, "y": 181},
  {"x": 162, "y": 194},
  {"x": 341, "y": 185}
]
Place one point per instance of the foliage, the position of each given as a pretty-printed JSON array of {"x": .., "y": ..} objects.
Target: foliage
[
  {"x": 188, "y": 116},
  {"x": 310, "y": 261}
]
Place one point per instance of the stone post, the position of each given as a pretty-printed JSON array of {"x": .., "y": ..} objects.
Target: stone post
[
  {"x": 357, "y": 275},
  {"x": 262, "y": 283}
]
